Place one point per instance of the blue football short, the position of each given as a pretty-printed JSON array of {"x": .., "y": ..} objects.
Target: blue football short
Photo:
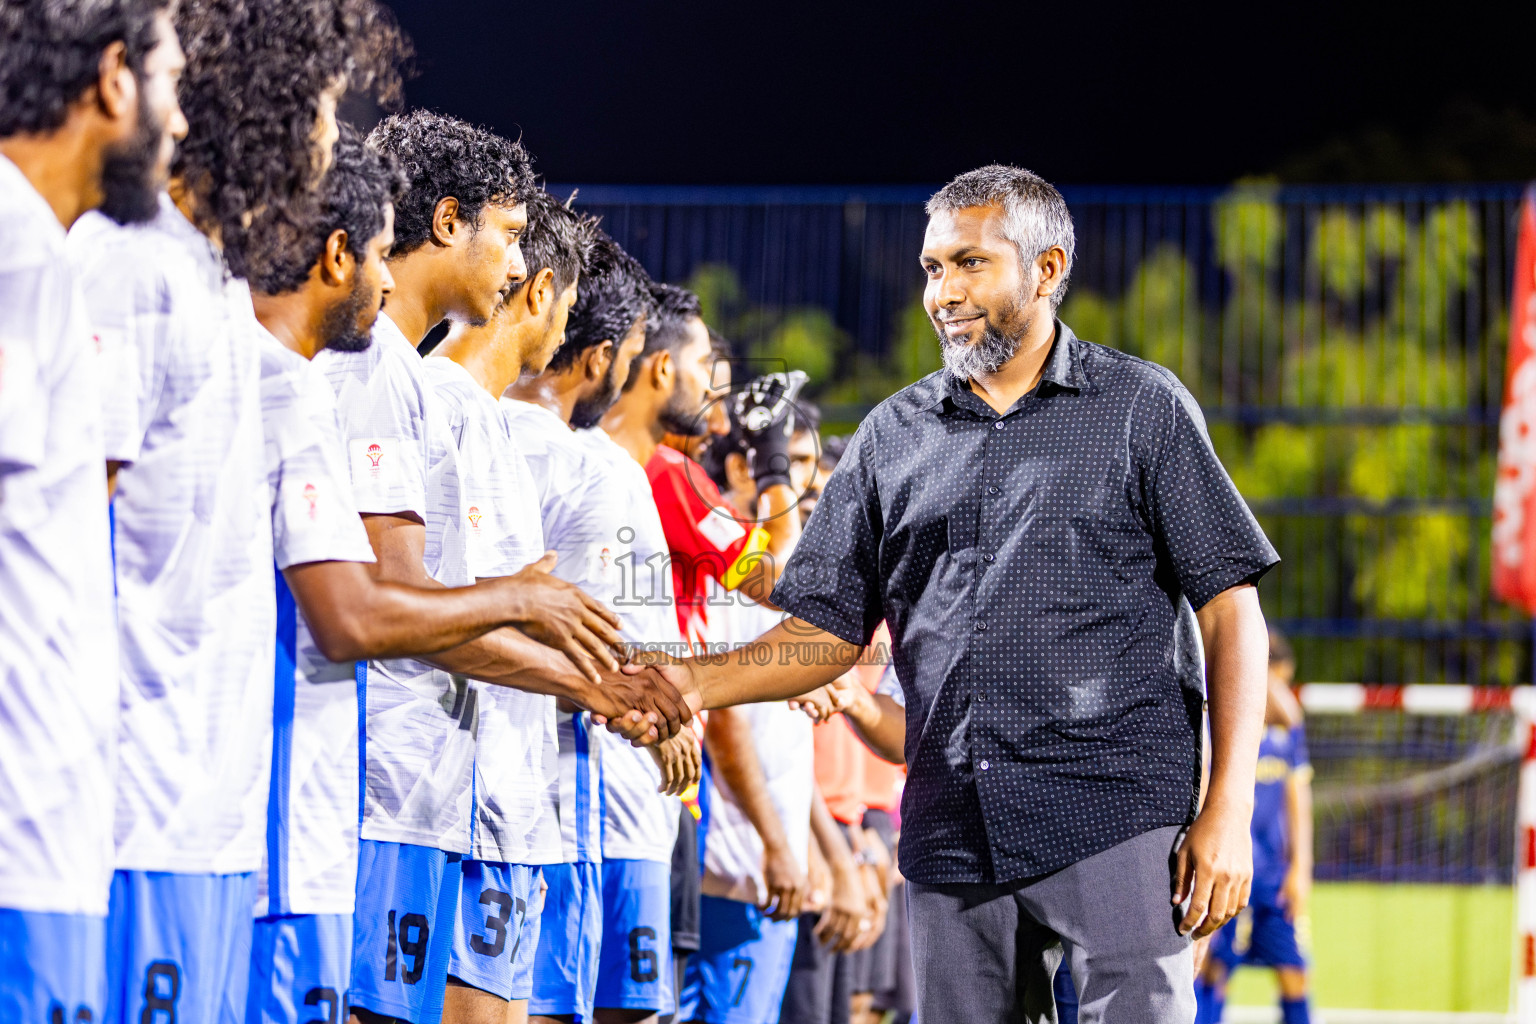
[
  {"x": 635, "y": 966},
  {"x": 739, "y": 973},
  {"x": 301, "y": 968},
  {"x": 493, "y": 936},
  {"x": 570, "y": 934},
  {"x": 179, "y": 946},
  {"x": 52, "y": 966},
  {"x": 402, "y": 929},
  {"x": 1260, "y": 936}
]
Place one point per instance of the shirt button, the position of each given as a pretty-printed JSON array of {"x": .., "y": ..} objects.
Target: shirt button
[
  {"x": 992, "y": 490},
  {"x": 985, "y": 765},
  {"x": 998, "y": 425},
  {"x": 981, "y": 627},
  {"x": 989, "y": 557}
]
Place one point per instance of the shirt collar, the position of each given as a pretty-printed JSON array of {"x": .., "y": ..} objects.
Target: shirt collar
[{"x": 1063, "y": 368}]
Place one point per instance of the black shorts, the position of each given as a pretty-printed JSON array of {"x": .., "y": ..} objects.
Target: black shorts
[
  {"x": 686, "y": 879},
  {"x": 820, "y": 982}
]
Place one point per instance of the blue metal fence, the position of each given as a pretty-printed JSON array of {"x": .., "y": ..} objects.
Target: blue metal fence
[{"x": 1346, "y": 343}]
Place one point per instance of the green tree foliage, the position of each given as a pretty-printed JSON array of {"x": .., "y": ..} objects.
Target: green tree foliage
[
  {"x": 1369, "y": 327},
  {"x": 805, "y": 338}
]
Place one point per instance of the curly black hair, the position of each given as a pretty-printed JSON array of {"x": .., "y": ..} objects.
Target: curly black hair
[
  {"x": 256, "y": 73},
  {"x": 614, "y": 293},
  {"x": 360, "y": 183},
  {"x": 671, "y": 309},
  {"x": 443, "y": 156},
  {"x": 557, "y": 237},
  {"x": 50, "y": 54}
]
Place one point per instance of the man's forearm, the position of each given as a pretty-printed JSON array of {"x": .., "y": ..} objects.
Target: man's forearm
[
  {"x": 504, "y": 657},
  {"x": 1237, "y": 656},
  {"x": 1299, "y": 809},
  {"x": 831, "y": 840},
  {"x": 791, "y": 659},
  {"x": 881, "y": 724},
  {"x": 508, "y": 658},
  {"x": 354, "y": 616},
  {"x": 733, "y": 756}
]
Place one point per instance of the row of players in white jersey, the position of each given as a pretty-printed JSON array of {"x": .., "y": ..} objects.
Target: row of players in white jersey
[{"x": 230, "y": 786}]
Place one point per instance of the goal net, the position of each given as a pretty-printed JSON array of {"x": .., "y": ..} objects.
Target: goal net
[{"x": 1429, "y": 785}]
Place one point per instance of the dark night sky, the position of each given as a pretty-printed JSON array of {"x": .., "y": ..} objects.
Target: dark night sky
[{"x": 733, "y": 92}]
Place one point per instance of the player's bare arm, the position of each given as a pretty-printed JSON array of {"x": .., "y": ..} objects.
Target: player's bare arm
[
  {"x": 880, "y": 723},
  {"x": 747, "y": 676},
  {"x": 1214, "y": 866},
  {"x": 356, "y": 617},
  {"x": 1297, "y": 889},
  {"x": 876, "y": 719},
  {"x": 734, "y": 757},
  {"x": 872, "y": 858},
  {"x": 548, "y": 609},
  {"x": 642, "y": 708},
  {"x": 845, "y": 919}
]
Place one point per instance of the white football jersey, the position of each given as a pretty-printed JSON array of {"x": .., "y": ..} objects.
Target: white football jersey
[
  {"x": 58, "y": 642},
  {"x": 419, "y": 721},
  {"x": 582, "y": 518},
  {"x": 193, "y": 543},
  {"x": 628, "y": 566},
  {"x": 733, "y": 850},
  {"x": 311, "y": 855},
  {"x": 516, "y": 754}
]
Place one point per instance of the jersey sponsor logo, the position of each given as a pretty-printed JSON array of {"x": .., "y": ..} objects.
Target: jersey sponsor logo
[
  {"x": 312, "y": 495},
  {"x": 600, "y": 567},
  {"x": 379, "y": 471},
  {"x": 474, "y": 516}
]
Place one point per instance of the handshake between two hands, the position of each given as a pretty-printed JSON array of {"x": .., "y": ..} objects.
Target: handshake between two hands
[
  {"x": 647, "y": 701},
  {"x": 646, "y": 697}
]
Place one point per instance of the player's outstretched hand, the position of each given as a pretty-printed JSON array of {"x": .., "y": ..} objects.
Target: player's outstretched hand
[
  {"x": 1213, "y": 868},
  {"x": 565, "y": 617},
  {"x": 822, "y": 703},
  {"x": 787, "y": 884},
  {"x": 817, "y": 704},
  {"x": 681, "y": 762},
  {"x": 641, "y": 705}
]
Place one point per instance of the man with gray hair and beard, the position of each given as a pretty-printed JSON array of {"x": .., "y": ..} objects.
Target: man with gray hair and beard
[{"x": 1046, "y": 528}]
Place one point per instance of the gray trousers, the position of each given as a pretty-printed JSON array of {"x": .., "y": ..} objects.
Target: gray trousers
[{"x": 985, "y": 954}]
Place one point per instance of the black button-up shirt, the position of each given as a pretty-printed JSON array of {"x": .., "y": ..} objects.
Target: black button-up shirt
[{"x": 1038, "y": 570}]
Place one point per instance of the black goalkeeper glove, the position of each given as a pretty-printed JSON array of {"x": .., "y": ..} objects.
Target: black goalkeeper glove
[{"x": 765, "y": 408}]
